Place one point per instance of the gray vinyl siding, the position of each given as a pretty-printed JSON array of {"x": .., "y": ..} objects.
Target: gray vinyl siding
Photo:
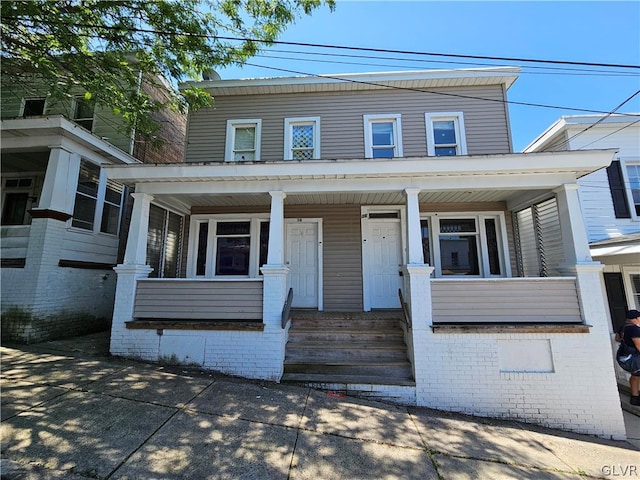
[
  {"x": 505, "y": 301},
  {"x": 341, "y": 120},
  {"x": 342, "y": 250},
  {"x": 342, "y": 253},
  {"x": 196, "y": 299}
]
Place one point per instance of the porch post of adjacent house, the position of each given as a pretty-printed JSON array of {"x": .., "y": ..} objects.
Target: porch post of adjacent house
[
  {"x": 133, "y": 268},
  {"x": 49, "y": 222},
  {"x": 418, "y": 292},
  {"x": 275, "y": 274}
]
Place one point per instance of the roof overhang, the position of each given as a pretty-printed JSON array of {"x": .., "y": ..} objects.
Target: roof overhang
[
  {"x": 568, "y": 122},
  {"x": 360, "y": 81},
  {"x": 24, "y": 134}
]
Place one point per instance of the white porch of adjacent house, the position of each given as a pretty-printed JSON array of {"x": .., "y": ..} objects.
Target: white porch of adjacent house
[{"x": 502, "y": 369}]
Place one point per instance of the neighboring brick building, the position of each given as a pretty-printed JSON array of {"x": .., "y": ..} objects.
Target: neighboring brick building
[{"x": 62, "y": 219}]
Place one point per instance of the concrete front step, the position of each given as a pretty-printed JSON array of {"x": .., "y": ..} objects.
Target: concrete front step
[
  {"x": 356, "y": 347},
  {"x": 356, "y": 324},
  {"x": 320, "y": 378},
  {"x": 392, "y": 370}
]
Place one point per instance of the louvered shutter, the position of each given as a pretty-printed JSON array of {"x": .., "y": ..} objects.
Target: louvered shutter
[{"x": 618, "y": 190}]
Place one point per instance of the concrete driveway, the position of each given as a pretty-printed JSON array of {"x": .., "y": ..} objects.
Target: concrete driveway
[{"x": 70, "y": 411}]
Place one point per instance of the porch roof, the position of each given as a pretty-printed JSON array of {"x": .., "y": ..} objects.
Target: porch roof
[{"x": 500, "y": 177}]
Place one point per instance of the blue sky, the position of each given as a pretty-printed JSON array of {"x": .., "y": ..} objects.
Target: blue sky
[{"x": 595, "y": 32}]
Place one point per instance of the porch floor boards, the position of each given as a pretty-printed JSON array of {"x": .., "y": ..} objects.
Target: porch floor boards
[{"x": 347, "y": 348}]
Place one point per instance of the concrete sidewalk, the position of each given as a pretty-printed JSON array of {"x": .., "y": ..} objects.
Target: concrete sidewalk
[{"x": 70, "y": 411}]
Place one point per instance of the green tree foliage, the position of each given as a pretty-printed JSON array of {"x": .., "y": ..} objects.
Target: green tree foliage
[{"x": 105, "y": 47}]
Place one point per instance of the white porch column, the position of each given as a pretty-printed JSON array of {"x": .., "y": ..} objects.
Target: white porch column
[
  {"x": 134, "y": 267},
  {"x": 136, "y": 251},
  {"x": 414, "y": 235},
  {"x": 276, "y": 229},
  {"x": 418, "y": 292},
  {"x": 60, "y": 181},
  {"x": 574, "y": 235}
]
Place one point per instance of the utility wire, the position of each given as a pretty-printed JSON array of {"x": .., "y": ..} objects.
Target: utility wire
[
  {"x": 121, "y": 28},
  {"x": 568, "y": 72},
  {"x": 448, "y": 94},
  {"x": 477, "y": 64},
  {"x": 565, "y": 143},
  {"x": 609, "y": 134}
]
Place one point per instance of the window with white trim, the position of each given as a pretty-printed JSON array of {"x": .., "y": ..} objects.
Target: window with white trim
[
  {"x": 633, "y": 186},
  {"x": 465, "y": 244},
  {"x": 382, "y": 136},
  {"x": 82, "y": 112},
  {"x": 243, "y": 140},
  {"x": 97, "y": 198},
  {"x": 302, "y": 138},
  {"x": 17, "y": 199},
  {"x": 32, "y": 107},
  {"x": 227, "y": 246},
  {"x": 445, "y": 134}
]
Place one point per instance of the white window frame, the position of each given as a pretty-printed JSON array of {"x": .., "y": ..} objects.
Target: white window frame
[
  {"x": 624, "y": 163},
  {"x": 458, "y": 120},
  {"x": 369, "y": 120},
  {"x": 232, "y": 125},
  {"x": 210, "y": 260},
  {"x": 30, "y": 191},
  {"x": 289, "y": 123},
  {"x": 23, "y": 104},
  {"x": 481, "y": 235},
  {"x": 74, "y": 107},
  {"x": 100, "y": 200},
  {"x": 633, "y": 297}
]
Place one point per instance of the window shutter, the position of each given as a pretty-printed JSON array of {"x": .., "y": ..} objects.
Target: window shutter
[
  {"x": 172, "y": 246},
  {"x": 155, "y": 239},
  {"x": 618, "y": 190}
]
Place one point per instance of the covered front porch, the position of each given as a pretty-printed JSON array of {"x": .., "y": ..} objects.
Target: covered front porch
[{"x": 489, "y": 255}]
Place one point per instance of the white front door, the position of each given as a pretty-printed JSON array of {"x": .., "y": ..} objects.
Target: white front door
[
  {"x": 302, "y": 260},
  {"x": 383, "y": 262}
]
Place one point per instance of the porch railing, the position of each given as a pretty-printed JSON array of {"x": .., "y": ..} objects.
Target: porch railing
[
  {"x": 505, "y": 300},
  {"x": 405, "y": 310},
  {"x": 189, "y": 299},
  {"x": 286, "y": 310}
]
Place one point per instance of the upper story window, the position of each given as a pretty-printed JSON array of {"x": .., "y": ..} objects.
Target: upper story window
[
  {"x": 624, "y": 184},
  {"x": 17, "y": 199},
  {"x": 465, "y": 244},
  {"x": 97, "y": 198},
  {"x": 32, "y": 107},
  {"x": 302, "y": 138},
  {"x": 243, "y": 140},
  {"x": 633, "y": 176},
  {"x": 82, "y": 112},
  {"x": 382, "y": 136},
  {"x": 445, "y": 134}
]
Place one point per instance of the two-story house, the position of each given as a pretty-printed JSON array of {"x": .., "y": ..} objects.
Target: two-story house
[
  {"x": 62, "y": 219},
  {"x": 376, "y": 206},
  {"x": 610, "y": 200}
]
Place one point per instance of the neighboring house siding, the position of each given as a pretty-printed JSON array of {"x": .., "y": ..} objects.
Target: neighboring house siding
[
  {"x": 597, "y": 204},
  {"x": 341, "y": 127}
]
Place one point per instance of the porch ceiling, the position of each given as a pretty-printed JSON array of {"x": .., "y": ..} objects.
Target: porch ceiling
[{"x": 184, "y": 202}]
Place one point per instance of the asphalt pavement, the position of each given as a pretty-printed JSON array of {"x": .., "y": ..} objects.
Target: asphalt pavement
[{"x": 70, "y": 411}]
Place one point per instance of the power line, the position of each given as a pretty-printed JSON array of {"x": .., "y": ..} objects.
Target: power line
[
  {"x": 571, "y": 72},
  {"x": 448, "y": 94},
  {"x": 338, "y": 47},
  {"x": 609, "y": 134},
  {"x": 600, "y": 120}
]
